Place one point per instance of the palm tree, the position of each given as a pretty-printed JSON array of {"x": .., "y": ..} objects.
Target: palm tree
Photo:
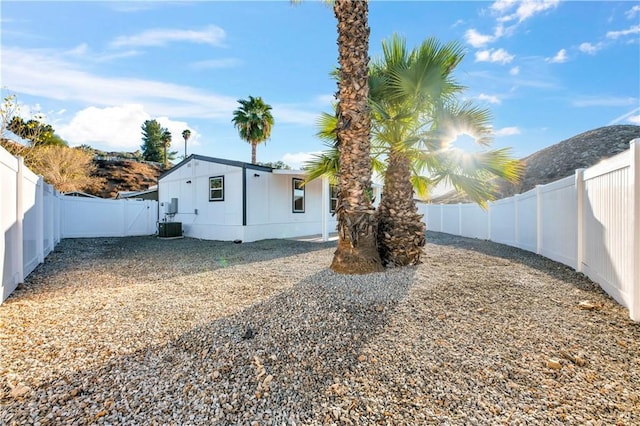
[
  {"x": 254, "y": 122},
  {"x": 186, "y": 134},
  {"x": 414, "y": 114},
  {"x": 166, "y": 142},
  {"x": 357, "y": 250}
]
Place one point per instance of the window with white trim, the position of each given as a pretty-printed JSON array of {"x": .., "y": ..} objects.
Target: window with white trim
[
  {"x": 216, "y": 188},
  {"x": 333, "y": 198},
  {"x": 298, "y": 195}
]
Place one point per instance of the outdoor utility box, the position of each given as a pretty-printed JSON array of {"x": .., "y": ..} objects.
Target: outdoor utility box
[
  {"x": 169, "y": 229},
  {"x": 172, "y": 207}
]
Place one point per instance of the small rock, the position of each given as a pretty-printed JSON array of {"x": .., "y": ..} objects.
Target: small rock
[
  {"x": 554, "y": 364},
  {"x": 19, "y": 391},
  {"x": 587, "y": 305},
  {"x": 362, "y": 358},
  {"x": 216, "y": 374}
]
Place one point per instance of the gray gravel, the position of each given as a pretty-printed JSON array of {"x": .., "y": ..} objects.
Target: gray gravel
[{"x": 147, "y": 331}]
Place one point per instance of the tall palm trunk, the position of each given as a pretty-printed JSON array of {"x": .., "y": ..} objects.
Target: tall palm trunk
[
  {"x": 357, "y": 251},
  {"x": 254, "y": 146},
  {"x": 401, "y": 231}
]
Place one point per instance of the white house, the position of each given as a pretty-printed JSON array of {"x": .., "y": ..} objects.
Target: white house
[{"x": 228, "y": 200}]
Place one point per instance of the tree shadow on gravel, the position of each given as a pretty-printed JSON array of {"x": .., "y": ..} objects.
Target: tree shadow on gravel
[
  {"x": 290, "y": 359},
  {"x": 150, "y": 258},
  {"x": 513, "y": 254}
]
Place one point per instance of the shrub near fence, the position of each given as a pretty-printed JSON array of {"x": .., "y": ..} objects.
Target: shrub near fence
[
  {"x": 34, "y": 217},
  {"x": 590, "y": 221}
]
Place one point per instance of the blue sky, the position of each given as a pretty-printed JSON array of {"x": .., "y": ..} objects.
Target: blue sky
[{"x": 547, "y": 69}]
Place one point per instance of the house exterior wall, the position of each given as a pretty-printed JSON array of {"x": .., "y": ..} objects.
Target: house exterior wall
[
  {"x": 269, "y": 203},
  {"x": 270, "y": 207},
  {"x": 201, "y": 218}
]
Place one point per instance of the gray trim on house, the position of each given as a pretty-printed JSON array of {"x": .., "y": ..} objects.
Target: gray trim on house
[{"x": 233, "y": 163}]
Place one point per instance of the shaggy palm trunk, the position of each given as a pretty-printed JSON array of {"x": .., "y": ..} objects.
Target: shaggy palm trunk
[
  {"x": 357, "y": 251},
  {"x": 401, "y": 231}
]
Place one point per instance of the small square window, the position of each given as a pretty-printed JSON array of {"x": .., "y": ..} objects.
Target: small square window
[
  {"x": 216, "y": 188},
  {"x": 298, "y": 195}
]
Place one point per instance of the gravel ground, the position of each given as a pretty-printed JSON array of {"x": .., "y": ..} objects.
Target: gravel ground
[{"x": 147, "y": 331}]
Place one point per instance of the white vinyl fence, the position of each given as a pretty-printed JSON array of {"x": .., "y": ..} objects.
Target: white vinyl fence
[
  {"x": 34, "y": 217},
  {"x": 590, "y": 221}
]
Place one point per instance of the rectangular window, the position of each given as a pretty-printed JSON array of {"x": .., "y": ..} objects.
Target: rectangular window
[
  {"x": 333, "y": 198},
  {"x": 298, "y": 195},
  {"x": 216, "y": 188}
]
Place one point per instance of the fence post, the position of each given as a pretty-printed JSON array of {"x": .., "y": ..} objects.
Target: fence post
[
  {"x": 489, "y": 221},
  {"x": 539, "y": 219},
  {"x": 516, "y": 220},
  {"x": 39, "y": 206},
  {"x": 634, "y": 175},
  {"x": 579, "y": 184},
  {"x": 19, "y": 243}
]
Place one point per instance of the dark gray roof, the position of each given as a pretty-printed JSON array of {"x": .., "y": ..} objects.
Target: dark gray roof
[{"x": 218, "y": 161}]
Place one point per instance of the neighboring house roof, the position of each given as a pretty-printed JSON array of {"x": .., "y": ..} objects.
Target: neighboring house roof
[
  {"x": 135, "y": 194},
  {"x": 218, "y": 161},
  {"x": 78, "y": 194}
]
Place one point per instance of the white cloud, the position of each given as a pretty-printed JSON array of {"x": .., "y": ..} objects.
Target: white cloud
[
  {"x": 631, "y": 13},
  {"x": 514, "y": 71},
  {"x": 492, "y": 99},
  {"x": 529, "y": 8},
  {"x": 615, "y": 34},
  {"x": 498, "y": 56},
  {"x": 628, "y": 116},
  {"x": 475, "y": 39},
  {"x": 507, "y": 131},
  {"x": 590, "y": 48},
  {"x": 111, "y": 128},
  {"x": 560, "y": 57},
  {"x": 634, "y": 119},
  {"x": 604, "y": 101},
  {"x": 215, "y": 63},
  {"x": 212, "y": 35},
  {"x": 292, "y": 115},
  {"x": 21, "y": 71},
  {"x": 296, "y": 160},
  {"x": 118, "y": 128},
  {"x": 502, "y": 6}
]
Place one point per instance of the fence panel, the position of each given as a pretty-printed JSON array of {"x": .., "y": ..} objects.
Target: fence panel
[
  {"x": 433, "y": 217},
  {"x": 48, "y": 212},
  {"x": 502, "y": 225},
  {"x": 527, "y": 221},
  {"x": 474, "y": 221},
  {"x": 559, "y": 221},
  {"x": 451, "y": 219},
  {"x": 32, "y": 221},
  {"x": 11, "y": 243},
  {"x": 91, "y": 217},
  {"x": 140, "y": 217},
  {"x": 608, "y": 223}
]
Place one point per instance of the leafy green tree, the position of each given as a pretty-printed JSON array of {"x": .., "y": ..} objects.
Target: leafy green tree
[
  {"x": 155, "y": 142},
  {"x": 276, "y": 165},
  {"x": 254, "y": 122},
  {"x": 35, "y": 131},
  {"x": 166, "y": 141}
]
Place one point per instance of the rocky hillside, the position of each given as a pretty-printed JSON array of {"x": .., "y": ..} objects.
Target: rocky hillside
[
  {"x": 562, "y": 159},
  {"x": 124, "y": 175}
]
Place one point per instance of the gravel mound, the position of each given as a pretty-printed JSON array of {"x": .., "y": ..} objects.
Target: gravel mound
[{"x": 147, "y": 331}]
